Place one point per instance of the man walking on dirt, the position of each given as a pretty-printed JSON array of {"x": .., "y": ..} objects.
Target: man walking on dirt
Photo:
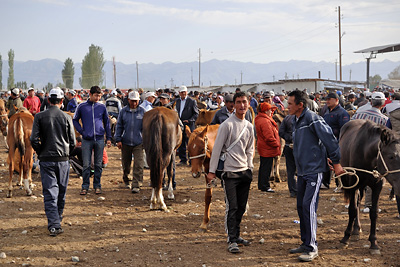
[
  {"x": 235, "y": 139},
  {"x": 310, "y": 133},
  {"x": 53, "y": 139}
]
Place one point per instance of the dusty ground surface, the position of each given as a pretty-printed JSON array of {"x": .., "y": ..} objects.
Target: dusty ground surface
[{"x": 122, "y": 231}]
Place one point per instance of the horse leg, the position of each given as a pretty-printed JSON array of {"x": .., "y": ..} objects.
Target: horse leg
[
  {"x": 355, "y": 234},
  {"x": 27, "y": 164},
  {"x": 373, "y": 215},
  {"x": 160, "y": 200},
  {"x": 153, "y": 199},
  {"x": 277, "y": 161},
  {"x": 207, "y": 202},
  {"x": 352, "y": 215},
  {"x": 169, "y": 173},
  {"x": 11, "y": 171}
]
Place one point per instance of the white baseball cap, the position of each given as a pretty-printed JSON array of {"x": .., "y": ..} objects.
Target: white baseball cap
[
  {"x": 378, "y": 95},
  {"x": 56, "y": 93},
  {"x": 182, "y": 88},
  {"x": 15, "y": 91},
  {"x": 134, "y": 95},
  {"x": 148, "y": 94}
]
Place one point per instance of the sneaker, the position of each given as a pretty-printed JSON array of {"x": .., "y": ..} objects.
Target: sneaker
[
  {"x": 308, "y": 256},
  {"x": 366, "y": 210},
  {"x": 243, "y": 242},
  {"x": 135, "y": 190},
  {"x": 300, "y": 249},
  {"x": 324, "y": 187},
  {"x": 233, "y": 247},
  {"x": 56, "y": 231},
  {"x": 269, "y": 190}
]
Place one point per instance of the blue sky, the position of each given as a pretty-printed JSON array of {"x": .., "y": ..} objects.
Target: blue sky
[{"x": 157, "y": 31}]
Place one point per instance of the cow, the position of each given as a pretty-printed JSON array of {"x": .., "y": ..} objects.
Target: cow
[
  {"x": 19, "y": 132},
  {"x": 372, "y": 152},
  {"x": 162, "y": 135}
]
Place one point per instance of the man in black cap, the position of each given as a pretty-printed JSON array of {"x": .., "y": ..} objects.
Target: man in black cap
[
  {"x": 53, "y": 138},
  {"x": 335, "y": 116},
  {"x": 105, "y": 95}
]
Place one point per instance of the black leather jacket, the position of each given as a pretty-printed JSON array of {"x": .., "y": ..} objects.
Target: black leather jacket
[{"x": 53, "y": 136}]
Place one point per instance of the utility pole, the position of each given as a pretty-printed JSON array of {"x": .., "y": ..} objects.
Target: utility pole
[
  {"x": 241, "y": 77},
  {"x": 137, "y": 75},
  {"x": 336, "y": 69},
  {"x": 199, "y": 67},
  {"x": 340, "y": 44},
  {"x": 273, "y": 78},
  {"x": 172, "y": 83},
  {"x": 154, "y": 85},
  {"x": 115, "y": 73},
  {"x": 350, "y": 75},
  {"x": 191, "y": 71}
]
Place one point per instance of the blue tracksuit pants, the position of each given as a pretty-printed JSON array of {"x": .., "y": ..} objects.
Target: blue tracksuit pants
[
  {"x": 307, "y": 205},
  {"x": 54, "y": 182}
]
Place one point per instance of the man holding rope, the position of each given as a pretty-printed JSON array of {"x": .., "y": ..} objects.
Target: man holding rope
[{"x": 313, "y": 141}]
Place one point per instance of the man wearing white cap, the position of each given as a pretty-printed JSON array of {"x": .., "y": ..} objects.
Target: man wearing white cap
[
  {"x": 53, "y": 139},
  {"x": 128, "y": 135},
  {"x": 14, "y": 102},
  {"x": 113, "y": 105},
  {"x": 72, "y": 103},
  {"x": 148, "y": 101},
  {"x": 188, "y": 113}
]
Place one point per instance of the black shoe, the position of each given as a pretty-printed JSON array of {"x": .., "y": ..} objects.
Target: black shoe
[
  {"x": 294, "y": 195},
  {"x": 243, "y": 242},
  {"x": 56, "y": 231},
  {"x": 233, "y": 247},
  {"x": 300, "y": 249}
]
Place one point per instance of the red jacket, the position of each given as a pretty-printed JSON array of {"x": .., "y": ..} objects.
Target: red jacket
[{"x": 268, "y": 141}]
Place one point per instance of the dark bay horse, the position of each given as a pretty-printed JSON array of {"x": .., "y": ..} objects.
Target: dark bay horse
[
  {"x": 200, "y": 146},
  {"x": 369, "y": 147},
  {"x": 162, "y": 135},
  {"x": 19, "y": 132}
]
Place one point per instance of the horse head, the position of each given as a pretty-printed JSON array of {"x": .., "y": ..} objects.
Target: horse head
[
  {"x": 198, "y": 150},
  {"x": 4, "y": 119},
  {"x": 389, "y": 158}
]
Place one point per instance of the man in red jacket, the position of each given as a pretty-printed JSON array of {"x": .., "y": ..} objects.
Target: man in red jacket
[
  {"x": 268, "y": 144},
  {"x": 32, "y": 102}
]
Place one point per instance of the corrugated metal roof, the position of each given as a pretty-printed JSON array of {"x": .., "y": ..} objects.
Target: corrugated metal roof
[{"x": 381, "y": 49}]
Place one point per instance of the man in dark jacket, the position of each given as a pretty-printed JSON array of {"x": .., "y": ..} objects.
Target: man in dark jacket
[
  {"x": 313, "y": 141},
  {"x": 53, "y": 138},
  {"x": 188, "y": 113},
  {"x": 227, "y": 111},
  {"x": 95, "y": 123}
]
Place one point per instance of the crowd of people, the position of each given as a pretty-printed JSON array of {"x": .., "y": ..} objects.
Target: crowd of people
[{"x": 312, "y": 120}]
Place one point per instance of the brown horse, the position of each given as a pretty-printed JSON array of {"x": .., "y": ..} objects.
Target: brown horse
[
  {"x": 200, "y": 146},
  {"x": 4, "y": 120},
  {"x": 18, "y": 136},
  {"x": 275, "y": 175},
  {"x": 162, "y": 135},
  {"x": 205, "y": 117}
]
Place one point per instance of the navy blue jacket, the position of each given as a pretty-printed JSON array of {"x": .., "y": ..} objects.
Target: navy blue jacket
[
  {"x": 336, "y": 118},
  {"x": 95, "y": 121},
  {"x": 130, "y": 126},
  {"x": 313, "y": 142}
]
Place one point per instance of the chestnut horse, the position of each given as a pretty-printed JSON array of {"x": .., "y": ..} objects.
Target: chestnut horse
[
  {"x": 200, "y": 146},
  {"x": 19, "y": 132},
  {"x": 162, "y": 135},
  {"x": 4, "y": 120}
]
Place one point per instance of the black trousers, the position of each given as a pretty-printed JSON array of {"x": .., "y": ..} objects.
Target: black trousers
[
  {"x": 290, "y": 169},
  {"x": 264, "y": 173},
  {"x": 236, "y": 196}
]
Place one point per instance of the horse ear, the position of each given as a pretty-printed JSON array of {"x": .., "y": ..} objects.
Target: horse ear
[
  {"x": 187, "y": 131},
  {"x": 204, "y": 131},
  {"x": 385, "y": 137}
]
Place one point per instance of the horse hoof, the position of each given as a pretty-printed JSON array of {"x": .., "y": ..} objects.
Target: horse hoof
[
  {"x": 375, "y": 252},
  {"x": 355, "y": 237},
  {"x": 9, "y": 195},
  {"x": 29, "y": 193},
  {"x": 171, "y": 197},
  {"x": 343, "y": 245}
]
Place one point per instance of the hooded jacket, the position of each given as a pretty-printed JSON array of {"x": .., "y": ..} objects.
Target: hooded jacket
[
  {"x": 268, "y": 141},
  {"x": 95, "y": 121}
]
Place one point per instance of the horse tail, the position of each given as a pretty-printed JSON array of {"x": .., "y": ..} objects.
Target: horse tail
[
  {"x": 19, "y": 136},
  {"x": 155, "y": 150}
]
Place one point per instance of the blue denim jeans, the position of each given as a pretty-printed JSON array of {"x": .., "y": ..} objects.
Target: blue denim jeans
[{"x": 97, "y": 147}]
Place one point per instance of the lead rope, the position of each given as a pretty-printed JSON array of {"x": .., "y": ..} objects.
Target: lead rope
[{"x": 375, "y": 173}]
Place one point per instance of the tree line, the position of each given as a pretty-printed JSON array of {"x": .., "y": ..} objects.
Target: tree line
[
  {"x": 93, "y": 74},
  {"x": 92, "y": 71}
]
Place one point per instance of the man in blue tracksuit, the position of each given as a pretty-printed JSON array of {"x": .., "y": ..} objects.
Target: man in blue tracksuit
[
  {"x": 95, "y": 124},
  {"x": 313, "y": 145},
  {"x": 128, "y": 135}
]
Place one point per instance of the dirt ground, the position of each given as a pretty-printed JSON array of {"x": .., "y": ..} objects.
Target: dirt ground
[{"x": 121, "y": 230}]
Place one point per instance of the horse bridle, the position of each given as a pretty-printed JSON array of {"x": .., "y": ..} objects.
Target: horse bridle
[
  {"x": 375, "y": 173},
  {"x": 205, "y": 150}
]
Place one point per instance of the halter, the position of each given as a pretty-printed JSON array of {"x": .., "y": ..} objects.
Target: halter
[
  {"x": 205, "y": 150},
  {"x": 375, "y": 173}
]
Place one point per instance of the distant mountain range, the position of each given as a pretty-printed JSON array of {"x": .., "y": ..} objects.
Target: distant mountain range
[{"x": 214, "y": 72}]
